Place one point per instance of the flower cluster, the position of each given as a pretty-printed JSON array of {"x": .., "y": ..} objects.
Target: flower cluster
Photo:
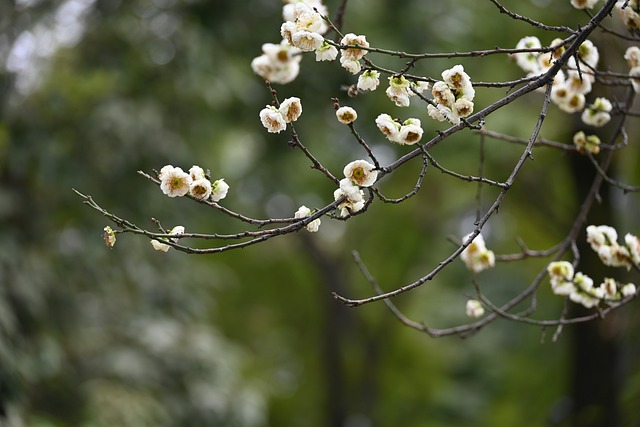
[
  {"x": 275, "y": 119},
  {"x": 586, "y": 144},
  {"x": 476, "y": 256},
  {"x": 629, "y": 11},
  {"x": 632, "y": 55},
  {"x": 400, "y": 90},
  {"x": 304, "y": 212},
  {"x": 358, "y": 173},
  {"x": 159, "y": 246},
  {"x": 174, "y": 182},
  {"x": 474, "y": 309},
  {"x": 303, "y": 31},
  {"x": 604, "y": 241},
  {"x": 579, "y": 287},
  {"x": 279, "y": 63},
  {"x": 351, "y": 56},
  {"x": 408, "y": 132},
  {"x": 569, "y": 89},
  {"x": 453, "y": 97}
]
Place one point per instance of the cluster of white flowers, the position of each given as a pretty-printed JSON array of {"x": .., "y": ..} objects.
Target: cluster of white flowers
[
  {"x": 346, "y": 115},
  {"x": 174, "y": 182},
  {"x": 304, "y": 212},
  {"x": 629, "y": 11},
  {"x": 279, "y": 63},
  {"x": 408, "y": 132},
  {"x": 474, "y": 309},
  {"x": 604, "y": 241},
  {"x": 579, "y": 287},
  {"x": 304, "y": 28},
  {"x": 632, "y": 55},
  {"x": 476, "y": 256},
  {"x": 400, "y": 90},
  {"x": 569, "y": 90},
  {"x": 351, "y": 56},
  {"x": 275, "y": 119},
  {"x": 453, "y": 96},
  {"x": 159, "y": 246},
  {"x": 358, "y": 173},
  {"x": 586, "y": 144},
  {"x": 597, "y": 114}
]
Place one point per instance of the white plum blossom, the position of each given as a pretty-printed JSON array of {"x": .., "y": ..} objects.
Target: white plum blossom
[
  {"x": 398, "y": 91},
  {"x": 628, "y": 290},
  {"x": 272, "y": 119},
  {"x": 528, "y": 61},
  {"x": 633, "y": 246},
  {"x": 474, "y": 308},
  {"x": 174, "y": 182},
  {"x": 196, "y": 172},
  {"x": 200, "y": 188},
  {"x": 561, "y": 275},
  {"x": 361, "y": 173},
  {"x": 279, "y": 63},
  {"x": 632, "y": 55},
  {"x": 219, "y": 190},
  {"x": 628, "y": 11},
  {"x": 597, "y": 114},
  {"x": 306, "y": 41},
  {"x": 326, "y": 52},
  {"x": 163, "y": 247},
  {"x": 588, "y": 53},
  {"x": 346, "y": 115},
  {"x": 368, "y": 80},
  {"x": 459, "y": 82},
  {"x": 410, "y": 132},
  {"x": 290, "y": 11},
  {"x": 476, "y": 256},
  {"x": 351, "y": 39},
  {"x": 351, "y": 65},
  {"x": 304, "y": 212},
  {"x": 291, "y": 109},
  {"x": 389, "y": 127}
]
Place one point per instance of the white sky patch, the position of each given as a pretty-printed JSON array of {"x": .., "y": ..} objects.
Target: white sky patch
[{"x": 30, "y": 54}]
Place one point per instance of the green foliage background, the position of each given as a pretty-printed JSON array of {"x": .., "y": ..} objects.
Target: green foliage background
[{"x": 132, "y": 337}]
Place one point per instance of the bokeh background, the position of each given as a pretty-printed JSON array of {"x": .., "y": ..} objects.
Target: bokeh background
[{"x": 92, "y": 91}]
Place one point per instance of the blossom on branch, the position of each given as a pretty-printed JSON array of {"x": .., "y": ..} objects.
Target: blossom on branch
[
  {"x": 279, "y": 63},
  {"x": 353, "y": 197},
  {"x": 109, "y": 237},
  {"x": 291, "y": 109},
  {"x": 219, "y": 190},
  {"x": 304, "y": 212},
  {"x": 474, "y": 308},
  {"x": 174, "y": 182},
  {"x": 346, "y": 115},
  {"x": 586, "y": 144},
  {"x": 163, "y": 247},
  {"x": 453, "y": 97},
  {"x": 361, "y": 173},
  {"x": 597, "y": 114},
  {"x": 476, "y": 256},
  {"x": 368, "y": 80}
]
